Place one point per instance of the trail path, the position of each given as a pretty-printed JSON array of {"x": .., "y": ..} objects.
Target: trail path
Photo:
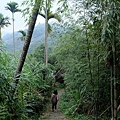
[{"x": 49, "y": 115}]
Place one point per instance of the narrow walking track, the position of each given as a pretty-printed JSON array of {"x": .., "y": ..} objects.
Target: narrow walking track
[{"x": 49, "y": 115}]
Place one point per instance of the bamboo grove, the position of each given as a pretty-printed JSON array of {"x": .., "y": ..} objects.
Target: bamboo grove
[{"x": 91, "y": 59}]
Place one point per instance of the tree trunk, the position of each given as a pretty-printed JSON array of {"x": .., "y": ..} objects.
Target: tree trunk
[
  {"x": 98, "y": 80},
  {"x": 112, "y": 94},
  {"x": 26, "y": 46},
  {"x": 46, "y": 36},
  {"x": 89, "y": 65},
  {"x": 13, "y": 33},
  {"x": 115, "y": 81},
  {"x": 114, "y": 61}
]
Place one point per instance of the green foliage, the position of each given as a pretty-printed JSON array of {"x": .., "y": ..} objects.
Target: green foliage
[
  {"x": 4, "y": 21},
  {"x": 38, "y": 54},
  {"x": 28, "y": 6},
  {"x": 33, "y": 90},
  {"x": 22, "y": 38},
  {"x": 10, "y": 108},
  {"x": 81, "y": 117},
  {"x": 81, "y": 47},
  {"x": 82, "y": 53},
  {"x": 13, "y": 7},
  {"x": 79, "y": 55}
]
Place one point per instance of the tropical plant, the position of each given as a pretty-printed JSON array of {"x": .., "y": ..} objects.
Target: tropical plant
[
  {"x": 107, "y": 13},
  {"x": 8, "y": 107},
  {"x": 26, "y": 45},
  {"x": 76, "y": 53},
  {"x": 48, "y": 15},
  {"x": 4, "y": 22},
  {"x": 28, "y": 101},
  {"x": 22, "y": 38},
  {"x": 13, "y": 8},
  {"x": 99, "y": 45},
  {"x": 112, "y": 40},
  {"x": 19, "y": 106}
]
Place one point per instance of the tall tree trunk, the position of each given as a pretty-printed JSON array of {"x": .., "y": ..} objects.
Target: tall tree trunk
[
  {"x": 98, "y": 80},
  {"x": 26, "y": 46},
  {"x": 115, "y": 80},
  {"x": 114, "y": 60},
  {"x": 46, "y": 36},
  {"x": 90, "y": 72},
  {"x": 112, "y": 93},
  {"x": 89, "y": 63},
  {"x": 13, "y": 34}
]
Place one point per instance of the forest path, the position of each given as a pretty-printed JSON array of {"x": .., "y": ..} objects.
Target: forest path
[{"x": 49, "y": 115}]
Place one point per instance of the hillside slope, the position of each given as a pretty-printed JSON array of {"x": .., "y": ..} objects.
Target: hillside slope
[{"x": 38, "y": 37}]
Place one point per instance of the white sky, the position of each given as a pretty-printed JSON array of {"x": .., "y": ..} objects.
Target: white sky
[{"x": 19, "y": 20}]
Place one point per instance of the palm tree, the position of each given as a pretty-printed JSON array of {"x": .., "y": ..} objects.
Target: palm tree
[
  {"x": 13, "y": 7},
  {"x": 26, "y": 45},
  {"x": 4, "y": 21},
  {"x": 22, "y": 38},
  {"x": 48, "y": 15}
]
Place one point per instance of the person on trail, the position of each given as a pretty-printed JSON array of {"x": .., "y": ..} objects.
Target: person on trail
[{"x": 54, "y": 100}]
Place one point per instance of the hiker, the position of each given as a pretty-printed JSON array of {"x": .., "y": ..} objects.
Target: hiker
[{"x": 54, "y": 100}]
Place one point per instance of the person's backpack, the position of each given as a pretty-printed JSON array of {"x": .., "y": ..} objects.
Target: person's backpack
[{"x": 54, "y": 99}]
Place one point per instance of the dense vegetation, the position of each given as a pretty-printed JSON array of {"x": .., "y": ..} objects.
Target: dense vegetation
[{"x": 85, "y": 49}]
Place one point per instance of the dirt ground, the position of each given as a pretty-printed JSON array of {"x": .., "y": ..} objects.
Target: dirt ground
[{"x": 49, "y": 115}]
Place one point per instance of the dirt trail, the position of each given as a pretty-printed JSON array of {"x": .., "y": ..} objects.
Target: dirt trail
[{"x": 49, "y": 115}]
